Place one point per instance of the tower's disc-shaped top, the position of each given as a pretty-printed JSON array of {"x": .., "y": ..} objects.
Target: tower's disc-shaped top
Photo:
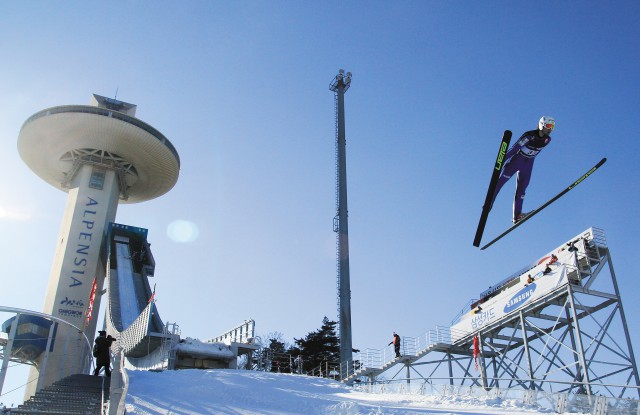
[{"x": 50, "y": 134}]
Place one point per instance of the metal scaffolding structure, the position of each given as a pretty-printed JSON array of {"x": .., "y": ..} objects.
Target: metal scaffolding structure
[{"x": 570, "y": 339}]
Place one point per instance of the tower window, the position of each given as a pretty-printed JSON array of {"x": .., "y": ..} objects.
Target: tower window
[{"x": 97, "y": 179}]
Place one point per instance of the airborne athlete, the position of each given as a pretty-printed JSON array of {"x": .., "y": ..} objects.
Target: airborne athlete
[{"x": 520, "y": 159}]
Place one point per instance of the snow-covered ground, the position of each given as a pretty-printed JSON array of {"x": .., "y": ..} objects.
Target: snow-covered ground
[{"x": 241, "y": 392}]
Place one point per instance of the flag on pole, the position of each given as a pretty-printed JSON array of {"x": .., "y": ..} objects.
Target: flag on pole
[
  {"x": 152, "y": 294},
  {"x": 476, "y": 350},
  {"x": 92, "y": 298}
]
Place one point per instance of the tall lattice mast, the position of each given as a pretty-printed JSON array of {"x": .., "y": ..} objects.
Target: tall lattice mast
[{"x": 340, "y": 223}]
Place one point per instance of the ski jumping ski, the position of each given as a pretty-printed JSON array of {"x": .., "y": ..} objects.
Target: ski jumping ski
[
  {"x": 556, "y": 197},
  {"x": 504, "y": 145}
]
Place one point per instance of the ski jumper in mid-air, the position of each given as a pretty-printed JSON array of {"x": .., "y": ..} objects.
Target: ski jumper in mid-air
[{"x": 520, "y": 159}]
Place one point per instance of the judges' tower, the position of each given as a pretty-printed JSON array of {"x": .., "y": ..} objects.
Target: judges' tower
[{"x": 101, "y": 155}]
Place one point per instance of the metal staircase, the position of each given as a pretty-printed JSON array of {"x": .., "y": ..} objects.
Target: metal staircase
[
  {"x": 371, "y": 363},
  {"x": 73, "y": 395}
]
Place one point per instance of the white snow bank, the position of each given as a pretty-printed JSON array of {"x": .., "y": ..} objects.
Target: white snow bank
[
  {"x": 242, "y": 392},
  {"x": 196, "y": 348}
]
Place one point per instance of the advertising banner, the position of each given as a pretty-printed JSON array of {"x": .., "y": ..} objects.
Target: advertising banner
[{"x": 539, "y": 281}]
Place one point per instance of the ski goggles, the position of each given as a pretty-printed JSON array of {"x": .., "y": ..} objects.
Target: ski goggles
[{"x": 549, "y": 126}]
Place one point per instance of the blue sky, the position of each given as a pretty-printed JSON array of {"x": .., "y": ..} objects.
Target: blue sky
[{"x": 241, "y": 90}]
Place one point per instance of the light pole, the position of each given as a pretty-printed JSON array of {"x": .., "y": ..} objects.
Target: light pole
[{"x": 339, "y": 86}]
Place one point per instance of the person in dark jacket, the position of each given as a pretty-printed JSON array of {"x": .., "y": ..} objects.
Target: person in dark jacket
[
  {"x": 519, "y": 160},
  {"x": 396, "y": 343},
  {"x": 102, "y": 354}
]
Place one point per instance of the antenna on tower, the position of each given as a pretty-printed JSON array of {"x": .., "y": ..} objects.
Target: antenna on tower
[{"x": 116, "y": 96}]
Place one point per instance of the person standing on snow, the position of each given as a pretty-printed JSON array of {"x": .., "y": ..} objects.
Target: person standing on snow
[{"x": 519, "y": 159}]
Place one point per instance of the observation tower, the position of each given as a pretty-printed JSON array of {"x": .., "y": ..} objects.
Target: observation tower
[{"x": 101, "y": 155}]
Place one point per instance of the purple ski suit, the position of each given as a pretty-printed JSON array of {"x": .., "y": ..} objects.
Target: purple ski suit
[{"x": 520, "y": 159}]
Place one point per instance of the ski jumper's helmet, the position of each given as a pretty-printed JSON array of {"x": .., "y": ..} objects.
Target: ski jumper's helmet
[{"x": 546, "y": 122}]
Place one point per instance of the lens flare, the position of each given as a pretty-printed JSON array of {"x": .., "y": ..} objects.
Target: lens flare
[{"x": 182, "y": 231}]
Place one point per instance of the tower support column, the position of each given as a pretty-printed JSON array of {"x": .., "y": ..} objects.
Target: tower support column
[{"x": 91, "y": 205}]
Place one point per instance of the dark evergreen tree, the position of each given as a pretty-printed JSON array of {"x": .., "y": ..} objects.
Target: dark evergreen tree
[
  {"x": 320, "y": 348},
  {"x": 279, "y": 358},
  {"x": 272, "y": 355}
]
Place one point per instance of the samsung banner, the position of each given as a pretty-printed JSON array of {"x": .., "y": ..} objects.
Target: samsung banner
[{"x": 544, "y": 278}]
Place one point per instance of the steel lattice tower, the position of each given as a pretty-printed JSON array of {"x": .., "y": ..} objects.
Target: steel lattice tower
[{"x": 340, "y": 222}]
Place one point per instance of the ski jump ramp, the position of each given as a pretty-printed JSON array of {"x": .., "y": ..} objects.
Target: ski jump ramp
[{"x": 132, "y": 317}]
